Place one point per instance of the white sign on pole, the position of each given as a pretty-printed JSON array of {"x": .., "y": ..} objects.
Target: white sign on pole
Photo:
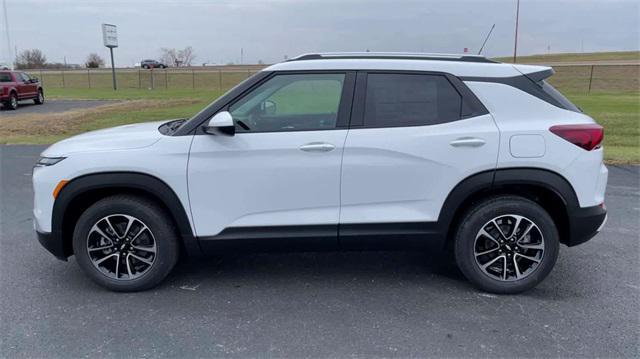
[{"x": 110, "y": 35}]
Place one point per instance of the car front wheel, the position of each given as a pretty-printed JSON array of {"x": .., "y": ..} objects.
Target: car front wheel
[
  {"x": 39, "y": 100},
  {"x": 125, "y": 243},
  {"x": 506, "y": 245},
  {"x": 12, "y": 103}
]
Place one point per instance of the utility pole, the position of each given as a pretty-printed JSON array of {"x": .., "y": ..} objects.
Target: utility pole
[
  {"x": 6, "y": 30},
  {"x": 241, "y": 56},
  {"x": 515, "y": 46}
]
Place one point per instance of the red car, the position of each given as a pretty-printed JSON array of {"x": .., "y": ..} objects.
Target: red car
[{"x": 17, "y": 86}]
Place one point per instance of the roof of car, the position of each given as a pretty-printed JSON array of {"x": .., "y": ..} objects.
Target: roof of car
[{"x": 456, "y": 64}]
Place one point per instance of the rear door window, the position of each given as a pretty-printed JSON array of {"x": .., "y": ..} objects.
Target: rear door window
[
  {"x": 396, "y": 100},
  {"x": 5, "y": 77}
]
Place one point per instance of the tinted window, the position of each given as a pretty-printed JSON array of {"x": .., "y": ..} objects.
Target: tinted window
[
  {"x": 556, "y": 95},
  {"x": 410, "y": 100},
  {"x": 5, "y": 77},
  {"x": 290, "y": 103},
  {"x": 25, "y": 77}
]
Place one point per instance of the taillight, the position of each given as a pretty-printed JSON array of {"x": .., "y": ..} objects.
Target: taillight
[{"x": 588, "y": 136}]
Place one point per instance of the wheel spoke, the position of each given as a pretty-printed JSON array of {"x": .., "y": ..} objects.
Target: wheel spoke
[
  {"x": 105, "y": 258},
  {"x": 528, "y": 257},
  {"x": 100, "y": 232},
  {"x": 126, "y": 259},
  {"x": 144, "y": 260},
  {"x": 130, "y": 221},
  {"x": 538, "y": 247},
  {"x": 515, "y": 226},
  {"x": 106, "y": 219},
  {"x": 484, "y": 266},
  {"x": 144, "y": 228},
  {"x": 526, "y": 231},
  {"x": 100, "y": 248},
  {"x": 151, "y": 249},
  {"x": 499, "y": 229},
  {"x": 517, "y": 269},
  {"x": 118, "y": 266},
  {"x": 504, "y": 270},
  {"x": 486, "y": 252},
  {"x": 483, "y": 232}
]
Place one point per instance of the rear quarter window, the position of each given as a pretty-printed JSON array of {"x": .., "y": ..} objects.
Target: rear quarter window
[
  {"x": 557, "y": 96},
  {"x": 395, "y": 100},
  {"x": 5, "y": 77}
]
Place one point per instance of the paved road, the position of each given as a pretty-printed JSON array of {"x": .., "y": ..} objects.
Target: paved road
[
  {"x": 52, "y": 106},
  {"x": 392, "y": 304}
]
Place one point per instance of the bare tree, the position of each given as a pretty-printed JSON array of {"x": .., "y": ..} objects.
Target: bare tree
[
  {"x": 31, "y": 59},
  {"x": 177, "y": 58},
  {"x": 187, "y": 55},
  {"x": 94, "y": 61}
]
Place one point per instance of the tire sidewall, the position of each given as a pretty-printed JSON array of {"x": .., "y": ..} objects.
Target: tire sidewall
[
  {"x": 40, "y": 99},
  {"x": 478, "y": 217},
  {"x": 11, "y": 104},
  {"x": 153, "y": 217}
]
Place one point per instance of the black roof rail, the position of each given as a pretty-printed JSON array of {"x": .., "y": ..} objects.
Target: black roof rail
[{"x": 393, "y": 56}]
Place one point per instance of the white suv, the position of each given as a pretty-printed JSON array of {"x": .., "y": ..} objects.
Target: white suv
[{"x": 337, "y": 151}]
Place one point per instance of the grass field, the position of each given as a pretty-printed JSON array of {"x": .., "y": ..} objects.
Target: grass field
[{"x": 576, "y": 57}]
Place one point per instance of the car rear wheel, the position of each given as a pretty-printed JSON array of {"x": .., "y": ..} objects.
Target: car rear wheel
[
  {"x": 40, "y": 99},
  {"x": 12, "y": 103},
  {"x": 125, "y": 243},
  {"x": 506, "y": 245}
]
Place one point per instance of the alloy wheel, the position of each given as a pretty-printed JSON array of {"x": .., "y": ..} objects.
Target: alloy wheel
[
  {"x": 121, "y": 247},
  {"x": 509, "y": 247}
]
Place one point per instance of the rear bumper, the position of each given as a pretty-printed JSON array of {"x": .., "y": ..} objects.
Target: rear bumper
[
  {"x": 585, "y": 223},
  {"x": 53, "y": 244}
]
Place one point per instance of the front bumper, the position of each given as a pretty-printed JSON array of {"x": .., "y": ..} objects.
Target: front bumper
[
  {"x": 585, "y": 223},
  {"x": 53, "y": 244}
]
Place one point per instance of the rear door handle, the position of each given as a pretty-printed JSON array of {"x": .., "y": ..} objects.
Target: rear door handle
[
  {"x": 317, "y": 147},
  {"x": 467, "y": 142}
]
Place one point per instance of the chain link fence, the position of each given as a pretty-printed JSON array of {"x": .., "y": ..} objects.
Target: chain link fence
[
  {"x": 216, "y": 79},
  {"x": 570, "y": 78}
]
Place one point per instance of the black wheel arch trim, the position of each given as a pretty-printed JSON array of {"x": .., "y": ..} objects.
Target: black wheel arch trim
[
  {"x": 150, "y": 185},
  {"x": 492, "y": 180}
]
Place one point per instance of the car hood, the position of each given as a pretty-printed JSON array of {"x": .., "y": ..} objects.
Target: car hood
[{"x": 110, "y": 139}]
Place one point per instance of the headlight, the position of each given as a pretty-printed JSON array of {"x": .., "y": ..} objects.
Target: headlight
[{"x": 48, "y": 161}]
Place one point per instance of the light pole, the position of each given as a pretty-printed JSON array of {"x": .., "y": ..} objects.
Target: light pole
[{"x": 515, "y": 45}]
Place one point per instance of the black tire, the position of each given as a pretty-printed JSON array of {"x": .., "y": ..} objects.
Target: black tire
[
  {"x": 12, "y": 103},
  {"x": 145, "y": 67},
  {"x": 40, "y": 99},
  {"x": 162, "y": 232},
  {"x": 506, "y": 210}
]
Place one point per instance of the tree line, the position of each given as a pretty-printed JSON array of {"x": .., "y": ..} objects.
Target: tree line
[{"x": 36, "y": 59}]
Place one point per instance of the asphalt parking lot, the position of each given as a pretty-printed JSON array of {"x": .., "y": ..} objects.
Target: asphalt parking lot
[
  {"x": 382, "y": 304},
  {"x": 52, "y": 106}
]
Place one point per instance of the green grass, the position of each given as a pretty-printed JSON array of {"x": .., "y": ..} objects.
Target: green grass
[{"x": 575, "y": 57}]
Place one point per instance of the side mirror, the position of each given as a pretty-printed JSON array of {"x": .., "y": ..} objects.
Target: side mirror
[
  {"x": 220, "y": 124},
  {"x": 268, "y": 108}
]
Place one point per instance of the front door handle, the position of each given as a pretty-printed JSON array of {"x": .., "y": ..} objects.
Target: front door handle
[
  {"x": 467, "y": 142},
  {"x": 317, "y": 147}
]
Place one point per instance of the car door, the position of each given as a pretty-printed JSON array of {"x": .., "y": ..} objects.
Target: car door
[
  {"x": 26, "y": 89},
  {"x": 413, "y": 138},
  {"x": 279, "y": 175}
]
